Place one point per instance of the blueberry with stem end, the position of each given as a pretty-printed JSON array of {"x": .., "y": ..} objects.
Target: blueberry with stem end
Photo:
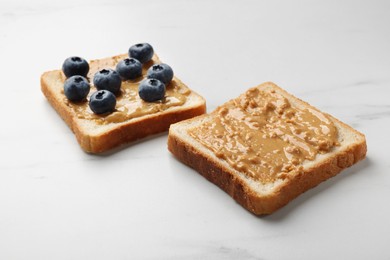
[
  {"x": 162, "y": 72},
  {"x": 129, "y": 68},
  {"x": 142, "y": 52},
  {"x": 107, "y": 79},
  {"x": 151, "y": 90},
  {"x": 75, "y": 66},
  {"x": 102, "y": 101},
  {"x": 76, "y": 88}
]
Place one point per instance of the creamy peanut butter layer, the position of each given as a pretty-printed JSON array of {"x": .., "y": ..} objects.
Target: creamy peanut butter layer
[{"x": 263, "y": 135}]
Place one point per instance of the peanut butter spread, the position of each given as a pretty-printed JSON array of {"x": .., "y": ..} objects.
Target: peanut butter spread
[
  {"x": 263, "y": 135},
  {"x": 129, "y": 105}
]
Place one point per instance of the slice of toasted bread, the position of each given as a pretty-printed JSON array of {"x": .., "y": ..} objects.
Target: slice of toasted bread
[
  {"x": 97, "y": 134},
  {"x": 257, "y": 192}
]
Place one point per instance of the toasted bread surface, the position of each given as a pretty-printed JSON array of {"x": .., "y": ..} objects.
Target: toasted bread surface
[
  {"x": 257, "y": 196},
  {"x": 96, "y": 134}
]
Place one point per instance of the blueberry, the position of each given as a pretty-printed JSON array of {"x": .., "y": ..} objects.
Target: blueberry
[
  {"x": 162, "y": 72},
  {"x": 142, "y": 52},
  {"x": 76, "y": 88},
  {"x": 151, "y": 90},
  {"x": 75, "y": 66},
  {"x": 129, "y": 68},
  {"x": 102, "y": 101},
  {"x": 107, "y": 79}
]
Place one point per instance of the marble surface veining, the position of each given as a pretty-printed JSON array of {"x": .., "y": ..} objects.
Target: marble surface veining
[{"x": 56, "y": 202}]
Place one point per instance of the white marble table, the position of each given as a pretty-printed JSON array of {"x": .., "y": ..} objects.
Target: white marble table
[{"x": 57, "y": 202}]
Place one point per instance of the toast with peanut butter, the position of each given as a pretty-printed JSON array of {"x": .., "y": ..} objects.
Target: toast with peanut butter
[
  {"x": 266, "y": 147},
  {"x": 132, "y": 118}
]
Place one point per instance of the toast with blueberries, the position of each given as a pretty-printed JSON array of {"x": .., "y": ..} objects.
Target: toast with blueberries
[
  {"x": 113, "y": 101},
  {"x": 266, "y": 147}
]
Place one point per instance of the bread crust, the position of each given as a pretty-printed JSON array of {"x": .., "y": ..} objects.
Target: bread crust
[
  {"x": 291, "y": 187},
  {"x": 124, "y": 132}
]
